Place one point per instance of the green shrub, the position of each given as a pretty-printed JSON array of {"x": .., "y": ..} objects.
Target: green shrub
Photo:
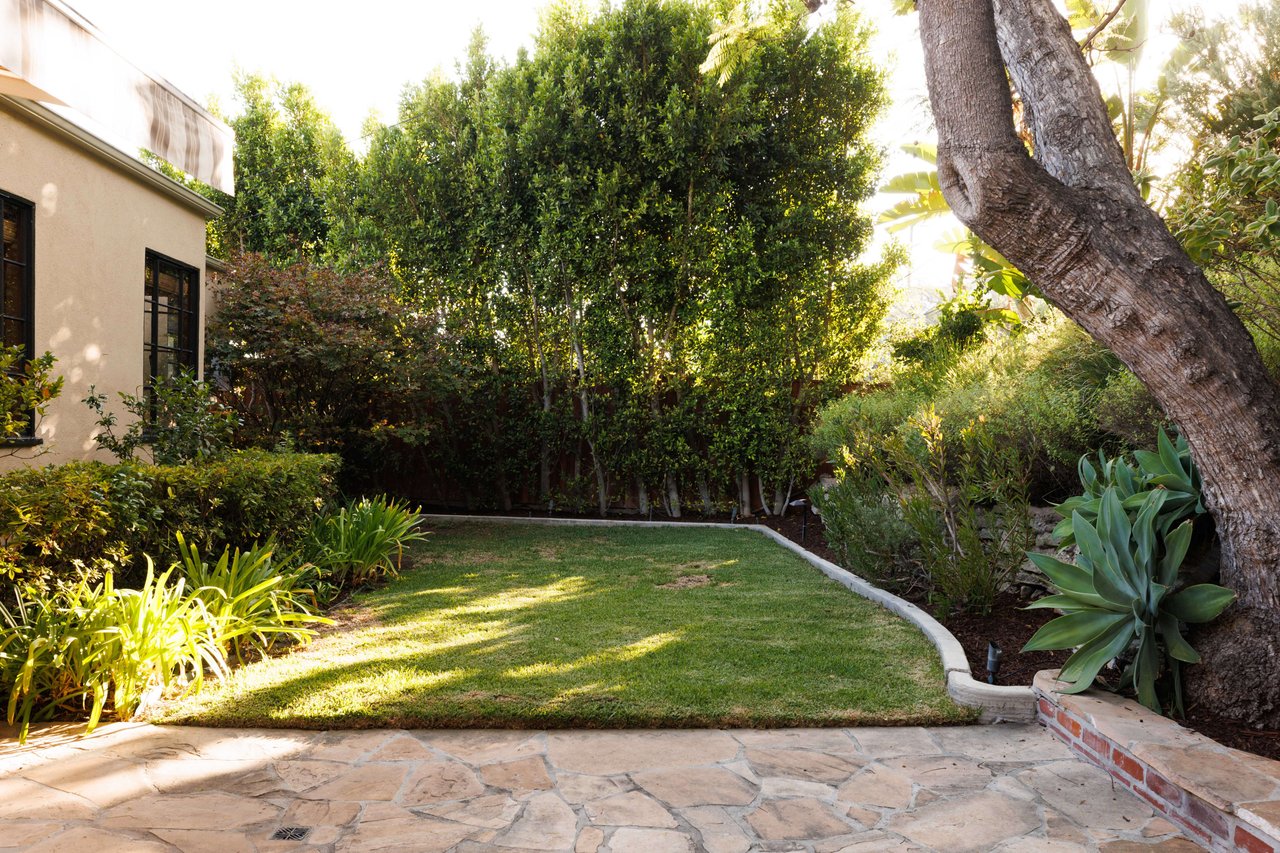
[
  {"x": 27, "y": 387},
  {"x": 179, "y": 421},
  {"x": 966, "y": 501},
  {"x": 253, "y": 599},
  {"x": 249, "y": 496},
  {"x": 863, "y": 524},
  {"x": 1126, "y": 410},
  {"x": 360, "y": 543},
  {"x": 1034, "y": 388},
  {"x": 68, "y": 523}
]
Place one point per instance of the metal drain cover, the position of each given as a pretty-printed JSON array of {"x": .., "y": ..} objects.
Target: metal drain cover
[{"x": 291, "y": 833}]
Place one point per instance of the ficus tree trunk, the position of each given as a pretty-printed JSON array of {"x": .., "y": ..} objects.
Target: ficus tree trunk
[{"x": 1071, "y": 218}]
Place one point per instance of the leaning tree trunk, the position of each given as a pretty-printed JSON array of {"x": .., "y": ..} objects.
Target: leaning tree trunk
[{"x": 1072, "y": 219}]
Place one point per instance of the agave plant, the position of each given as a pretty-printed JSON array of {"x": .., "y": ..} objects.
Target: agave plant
[
  {"x": 1121, "y": 599},
  {"x": 252, "y": 599},
  {"x": 1170, "y": 469}
]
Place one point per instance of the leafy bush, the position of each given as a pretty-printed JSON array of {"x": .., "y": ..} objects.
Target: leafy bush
[
  {"x": 962, "y": 324},
  {"x": 179, "y": 421},
  {"x": 27, "y": 387},
  {"x": 331, "y": 362},
  {"x": 1122, "y": 599},
  {"x": 252, "y": 599},
  {"x": 1034, "y": 388},
  {"x": 962, "y": 511},
  {"x": 360, "y": 543},
  {"x": 863, "y": 523},
  {"x": 971, "y": 517},
  {"x": 1126, "y": 410},
  {"x": 67, "y": 523}
]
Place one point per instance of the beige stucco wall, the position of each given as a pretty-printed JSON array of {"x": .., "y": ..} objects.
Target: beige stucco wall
[{"x": 94, "y": 223}]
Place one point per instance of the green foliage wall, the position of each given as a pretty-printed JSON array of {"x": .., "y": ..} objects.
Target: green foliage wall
[
  {"x": 645, "y": 282},
  {"x": 64, "y": 523}
]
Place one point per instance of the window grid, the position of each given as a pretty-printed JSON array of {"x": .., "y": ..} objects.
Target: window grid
[
  {"x": 170, "y": 322},
  {"x": 17, "y": 282}
]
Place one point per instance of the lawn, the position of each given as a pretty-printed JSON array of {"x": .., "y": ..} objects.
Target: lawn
[{"x": 528, "y": 626}]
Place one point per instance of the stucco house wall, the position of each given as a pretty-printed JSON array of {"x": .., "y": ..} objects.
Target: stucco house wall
[{"x": 97, "y": 213}]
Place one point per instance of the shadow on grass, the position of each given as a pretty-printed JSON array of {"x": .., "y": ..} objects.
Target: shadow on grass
[{"x": 591, "y": 636}]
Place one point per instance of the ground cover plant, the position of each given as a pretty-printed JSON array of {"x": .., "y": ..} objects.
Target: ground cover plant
[{"x": 536, "y": 626}]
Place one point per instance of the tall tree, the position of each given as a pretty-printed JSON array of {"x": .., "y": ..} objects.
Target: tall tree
[
  {"x": 1071, "y": 217},
  {"x": 288, "y": 157}
]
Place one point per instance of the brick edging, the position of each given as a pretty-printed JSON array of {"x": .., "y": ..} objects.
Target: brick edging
[{"x": 1215, "y": 827}]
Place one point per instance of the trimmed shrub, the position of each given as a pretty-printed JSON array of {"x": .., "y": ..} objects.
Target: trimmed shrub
[{"x": 69, "y": 523}]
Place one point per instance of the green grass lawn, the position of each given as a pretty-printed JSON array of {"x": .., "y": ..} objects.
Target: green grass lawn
[{"x": 528, "y": 626}]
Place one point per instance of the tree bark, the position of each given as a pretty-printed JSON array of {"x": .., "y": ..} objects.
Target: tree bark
[{"x": 1072, "y": 220}]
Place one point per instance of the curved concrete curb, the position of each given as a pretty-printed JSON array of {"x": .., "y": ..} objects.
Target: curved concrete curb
[{"x": 996, "y": 704}]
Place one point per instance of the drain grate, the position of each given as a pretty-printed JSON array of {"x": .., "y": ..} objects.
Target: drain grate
[{"x": 291, "y": 833}]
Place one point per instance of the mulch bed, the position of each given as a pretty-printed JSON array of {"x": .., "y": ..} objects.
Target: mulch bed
[{"x": 1008, "y": 625}]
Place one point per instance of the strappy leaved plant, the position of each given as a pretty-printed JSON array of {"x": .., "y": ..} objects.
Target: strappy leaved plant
[{"x": 1122, "y": 600}]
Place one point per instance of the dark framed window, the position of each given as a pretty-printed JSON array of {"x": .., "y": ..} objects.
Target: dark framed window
[
  {"x": 170, "y": 325},
  {"x": 17, "y": 283}
]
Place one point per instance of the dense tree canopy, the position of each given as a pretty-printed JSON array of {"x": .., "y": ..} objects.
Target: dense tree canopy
[{"x": 648, "y": 280}]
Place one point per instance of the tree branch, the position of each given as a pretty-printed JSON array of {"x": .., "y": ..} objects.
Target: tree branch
[
  {"x": 1102, "y": 25},
  {"x": 1069, "y": 124}
]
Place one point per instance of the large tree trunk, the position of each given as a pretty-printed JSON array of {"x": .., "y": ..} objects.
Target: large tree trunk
[{"x": 1072, "y": 219}]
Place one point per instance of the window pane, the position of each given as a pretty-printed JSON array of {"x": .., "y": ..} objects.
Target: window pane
[
  {"x": 15, "y": 291},
  {"x": 15, "y": 333},
  {"x": 166, "y": 365},
  {"x": 15, "y": 234},
  {"x": 172, "y": 324},
  {"x": 170, "y": 288}
]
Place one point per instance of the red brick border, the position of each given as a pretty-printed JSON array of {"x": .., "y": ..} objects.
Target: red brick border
[{"x": 1217, "y": 828}]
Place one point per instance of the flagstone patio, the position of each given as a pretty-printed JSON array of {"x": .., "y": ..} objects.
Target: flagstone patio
[{"x": 141, "y": 788}]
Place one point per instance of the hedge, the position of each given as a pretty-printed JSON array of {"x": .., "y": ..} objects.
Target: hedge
[{"x": 64, "y": 523}]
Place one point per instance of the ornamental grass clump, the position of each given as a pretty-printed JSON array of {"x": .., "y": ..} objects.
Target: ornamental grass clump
[
  {"x": 86, "y": 649},
  {"x": 360, "y": 543},
  {"x": 253, "y": 599}
]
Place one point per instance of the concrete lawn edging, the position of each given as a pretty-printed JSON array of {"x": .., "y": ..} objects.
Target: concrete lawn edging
[
  {"x": 1223, "y": 798},
  {"x": 995, "y": 703}
]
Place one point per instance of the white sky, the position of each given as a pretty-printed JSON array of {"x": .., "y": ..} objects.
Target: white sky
[{"x": 356, "y": 58}]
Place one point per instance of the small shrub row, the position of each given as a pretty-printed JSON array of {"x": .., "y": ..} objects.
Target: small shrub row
[{"x": 69, "y": 523}]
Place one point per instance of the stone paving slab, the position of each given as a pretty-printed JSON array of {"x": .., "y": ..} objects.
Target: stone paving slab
[{"x": 135, "y": 787}]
